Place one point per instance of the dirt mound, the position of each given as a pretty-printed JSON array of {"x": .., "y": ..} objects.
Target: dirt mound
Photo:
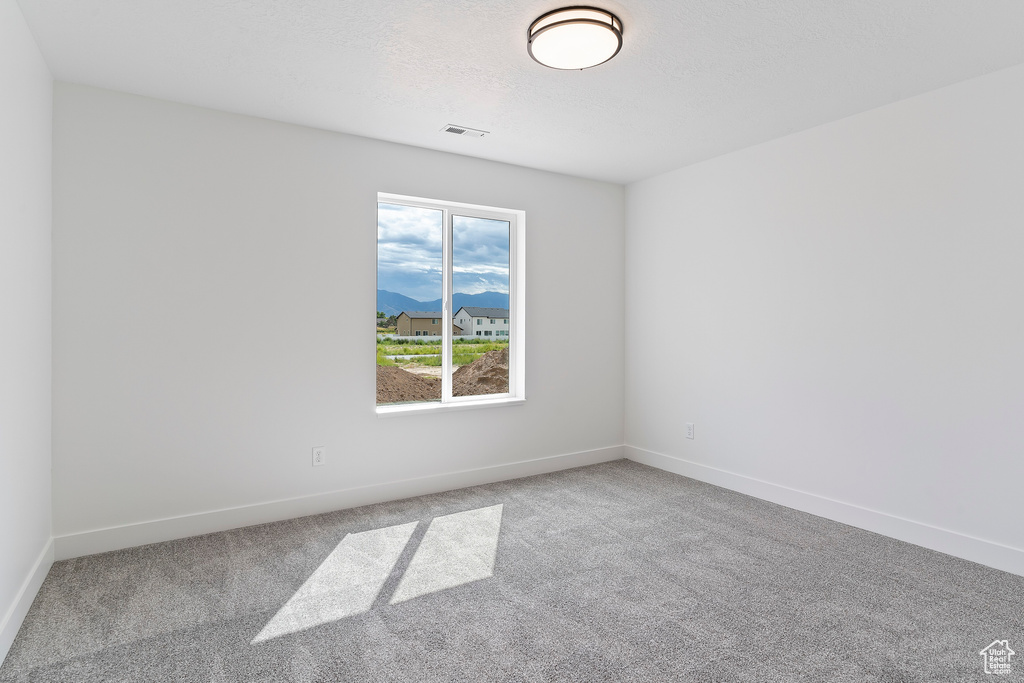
[
  {"x": 395, "y": 385},
  {"x": 488, "y": 374}
]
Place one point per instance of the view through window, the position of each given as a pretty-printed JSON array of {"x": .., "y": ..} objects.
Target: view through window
[{"x": 446, "y": 320}]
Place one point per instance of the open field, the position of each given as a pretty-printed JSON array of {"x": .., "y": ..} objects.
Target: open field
[{"x": 428, "y": 354}]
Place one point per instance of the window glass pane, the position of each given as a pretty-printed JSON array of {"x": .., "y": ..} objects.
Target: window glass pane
[
  {"x": 480, "y": 283},
  {"x": 409, "y": 272}
]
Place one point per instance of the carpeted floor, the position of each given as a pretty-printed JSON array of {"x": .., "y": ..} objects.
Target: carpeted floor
[{"x": 616, "y": 572}]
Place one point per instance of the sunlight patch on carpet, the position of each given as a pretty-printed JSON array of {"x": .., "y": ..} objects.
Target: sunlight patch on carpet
[
  {"x": 345, "y": 584},
  {"x": 457, "y": 549}
]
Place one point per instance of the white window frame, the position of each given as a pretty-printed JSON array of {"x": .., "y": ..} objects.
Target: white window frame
[{"x": 516, "y": 304}]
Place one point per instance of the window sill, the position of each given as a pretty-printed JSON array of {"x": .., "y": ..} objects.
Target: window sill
[{"x": 424, "y": 408}]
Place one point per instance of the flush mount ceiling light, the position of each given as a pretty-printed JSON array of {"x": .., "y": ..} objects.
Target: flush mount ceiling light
[{"x": 575, "y": 38}]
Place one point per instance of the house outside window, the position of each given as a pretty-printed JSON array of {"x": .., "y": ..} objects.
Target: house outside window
[{"x": 480, "y": 318}]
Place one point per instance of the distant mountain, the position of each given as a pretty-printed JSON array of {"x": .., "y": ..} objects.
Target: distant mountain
[
  {"x": 393, "y": 303},
  {"x": 483, "y": 300}
]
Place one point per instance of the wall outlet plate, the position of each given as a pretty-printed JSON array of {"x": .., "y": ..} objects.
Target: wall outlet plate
[
  {"x": 319, "y": 455},
  {"x": 689, "y": 430}
]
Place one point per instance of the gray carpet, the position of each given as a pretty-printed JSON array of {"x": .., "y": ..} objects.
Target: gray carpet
[{"x": 616, "y": 572}]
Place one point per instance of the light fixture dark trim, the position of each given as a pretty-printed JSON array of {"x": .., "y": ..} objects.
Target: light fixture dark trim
[{"x": 614, "y": 24}]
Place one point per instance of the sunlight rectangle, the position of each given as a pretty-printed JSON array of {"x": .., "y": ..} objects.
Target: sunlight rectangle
[
  {"x": 456, "y": 549},
  {"x": 345, "y": 584}
]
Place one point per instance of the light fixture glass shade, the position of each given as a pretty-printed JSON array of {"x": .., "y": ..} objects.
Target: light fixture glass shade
[{"x": 575, "y": 38}]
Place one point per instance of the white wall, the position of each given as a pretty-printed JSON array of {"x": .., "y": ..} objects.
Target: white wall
[
  {"x": 214, "y": 279},
  {"x": 842, "y": 313},
  {"x": 25, "y": 140}
]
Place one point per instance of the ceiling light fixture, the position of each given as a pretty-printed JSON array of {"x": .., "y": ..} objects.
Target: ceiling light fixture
[{"x": 575, "y": 38}]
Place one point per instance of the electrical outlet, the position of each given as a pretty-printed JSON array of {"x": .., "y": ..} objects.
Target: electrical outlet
[
  {"x": 689, "y": 430},
  {"x": 319, "y": 455}
]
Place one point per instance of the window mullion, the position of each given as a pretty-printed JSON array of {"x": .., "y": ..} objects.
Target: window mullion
[{"x": 446, "y": 309}]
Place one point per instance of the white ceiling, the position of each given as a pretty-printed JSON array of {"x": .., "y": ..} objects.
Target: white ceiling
[{"x": 695, "y": 78}]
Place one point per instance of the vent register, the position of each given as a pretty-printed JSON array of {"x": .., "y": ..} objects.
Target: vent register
[{"x": 464, "y": 130}]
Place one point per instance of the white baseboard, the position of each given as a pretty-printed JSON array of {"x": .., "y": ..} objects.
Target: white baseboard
[
  {"x": 23, "y": 600},
  {"x": 978, "y": 550},
  {"x": 131, "y": 535}
]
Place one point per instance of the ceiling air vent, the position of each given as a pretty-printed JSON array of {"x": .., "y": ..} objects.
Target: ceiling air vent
[{"x": 463, "y": 130}]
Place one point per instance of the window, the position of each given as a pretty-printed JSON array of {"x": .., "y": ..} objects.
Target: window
[
  {"x": 506, "y": 321},
  {"x": 437, "y": 253}
]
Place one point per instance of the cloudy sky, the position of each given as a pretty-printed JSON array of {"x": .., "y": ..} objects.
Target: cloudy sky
[{"x": 409, "y": 253}]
